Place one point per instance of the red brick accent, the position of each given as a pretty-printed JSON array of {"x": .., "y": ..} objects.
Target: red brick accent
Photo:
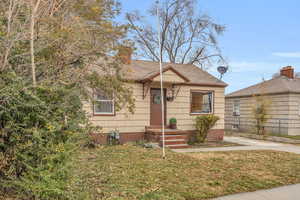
[
  {"x": 287, "y": 71},
  {"x": 101, "y": 138},
  {"x": 132, "y": 137},
  {"x": 152, "y": 137},
  {"x": 125, "y": 53},
  {"x": 213, "y": 135}
]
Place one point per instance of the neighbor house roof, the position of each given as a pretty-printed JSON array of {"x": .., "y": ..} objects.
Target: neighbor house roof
[
  {"x": 143, "y": 71},
  {"x": 278, "y": 85}
]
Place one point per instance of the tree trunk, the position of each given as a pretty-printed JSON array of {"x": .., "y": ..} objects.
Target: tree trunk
[{"x": 34, "y": 8}]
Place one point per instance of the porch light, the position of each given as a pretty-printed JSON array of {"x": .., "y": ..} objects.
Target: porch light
[{"x": 170, "y": 94}]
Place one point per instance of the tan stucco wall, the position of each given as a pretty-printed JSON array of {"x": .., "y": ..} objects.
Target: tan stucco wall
[
  {"x": 179, "y": 108},
  {"x": 283, "y": 114}
]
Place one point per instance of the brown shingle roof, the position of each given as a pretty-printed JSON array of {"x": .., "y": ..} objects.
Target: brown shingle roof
[
  {"x": 140, "y": 70},
  {"x": 276, "y": 85}
]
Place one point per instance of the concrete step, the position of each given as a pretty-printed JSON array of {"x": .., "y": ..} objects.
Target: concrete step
[{"x": 174, "y": 137}]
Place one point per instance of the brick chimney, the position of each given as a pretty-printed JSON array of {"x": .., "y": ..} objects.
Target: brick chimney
[
  {"x": 125, "y": 54},
  {"x": 287, "y": 71}
]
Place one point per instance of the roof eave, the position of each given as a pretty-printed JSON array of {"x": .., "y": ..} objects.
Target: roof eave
[
  {"x": 270, "y": 93},
  {"x": 151, "y": 77}
]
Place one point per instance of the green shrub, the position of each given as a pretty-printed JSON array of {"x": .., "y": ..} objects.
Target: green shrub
[
  {"x": 39, "y": 130},
  {"x": 203, "y": 125},
  {"x": 260, "y": 113},
  {"x": 173, "y": 120}
]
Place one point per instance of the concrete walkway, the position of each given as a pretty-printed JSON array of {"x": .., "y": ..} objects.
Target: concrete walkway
[
  {"x": 249, "y": 144},
  {"x": 289, "y": 192}
]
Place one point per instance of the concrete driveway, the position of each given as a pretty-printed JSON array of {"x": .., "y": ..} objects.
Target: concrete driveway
[{"x": 249, "y": 144}]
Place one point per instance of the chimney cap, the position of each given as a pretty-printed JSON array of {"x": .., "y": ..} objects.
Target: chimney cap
[{"x": 125, "y": 53}]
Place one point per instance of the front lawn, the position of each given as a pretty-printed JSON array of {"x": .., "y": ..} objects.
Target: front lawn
[
  {"x": 131, "y": 172},
  {"x": 214, "y": 144}
]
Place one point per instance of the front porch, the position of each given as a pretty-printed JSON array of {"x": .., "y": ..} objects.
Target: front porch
[{"x": 174, "y": 138}]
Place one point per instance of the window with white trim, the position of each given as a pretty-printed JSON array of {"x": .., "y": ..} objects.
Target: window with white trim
[
  {"x": 201, "y": 102},
  {"x": 103, "y": 104},
  {"x": 236, "y": 108}
]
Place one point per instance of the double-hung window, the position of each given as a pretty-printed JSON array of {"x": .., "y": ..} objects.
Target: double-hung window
[
  {"x": 103, "y": 104},
  {"x": 202, "y": 102},
  {"x": 236, "y": 108}
]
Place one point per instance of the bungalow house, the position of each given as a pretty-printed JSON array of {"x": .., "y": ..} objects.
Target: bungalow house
[
  {"x": 188, "y": 92},
  {"x": 283, "y": 112}
]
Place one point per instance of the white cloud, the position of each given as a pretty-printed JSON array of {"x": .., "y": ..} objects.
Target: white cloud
[{"x": 287, "y": 54}]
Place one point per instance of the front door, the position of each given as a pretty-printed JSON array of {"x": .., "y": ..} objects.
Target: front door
[{"x": 155, "y": 107}]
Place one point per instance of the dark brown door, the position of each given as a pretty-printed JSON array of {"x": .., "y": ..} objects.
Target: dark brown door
[{"x": 155, "y": 107}]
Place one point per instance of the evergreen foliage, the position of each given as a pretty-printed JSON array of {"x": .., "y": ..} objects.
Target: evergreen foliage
[{"x": 39, "y": 130}]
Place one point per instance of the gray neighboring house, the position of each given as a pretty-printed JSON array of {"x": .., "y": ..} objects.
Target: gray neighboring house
[{"x": 283, "y": 91}]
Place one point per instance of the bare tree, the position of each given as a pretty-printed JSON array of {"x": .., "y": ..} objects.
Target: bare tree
[
  {"x": 186, "y": 37},
  {"x": 62, "y": 41},
  {"x": 34, "y": 9}
]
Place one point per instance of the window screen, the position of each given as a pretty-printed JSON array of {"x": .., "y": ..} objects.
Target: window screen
[
  {"x": 201, "y": 102},
  {"x": 103, "y": 104}
]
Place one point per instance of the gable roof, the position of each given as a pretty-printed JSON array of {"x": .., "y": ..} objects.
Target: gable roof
[
  {"x": 141, "y": 71},
  {"x": 278, "y": 85},
  {"x": 156, "y": 73}
]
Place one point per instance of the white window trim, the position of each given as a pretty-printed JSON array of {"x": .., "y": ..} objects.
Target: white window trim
[
  {"x": 104, "y": 113},
  {"x": 233, "y": 108},
  {"x": 212, "y": 103}
]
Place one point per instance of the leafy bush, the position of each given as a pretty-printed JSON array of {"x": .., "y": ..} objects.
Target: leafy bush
[
  {"x": 173, "y": 120},
  {"x": 39, "y": 130},
  {"x": 203, "y": 125},
  {"x": 260, "y": 113}
]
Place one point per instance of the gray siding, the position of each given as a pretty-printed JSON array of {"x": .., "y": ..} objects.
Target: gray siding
[{"x": 283, "y": 114}]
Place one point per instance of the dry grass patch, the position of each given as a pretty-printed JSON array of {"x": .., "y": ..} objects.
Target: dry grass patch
[
  {"x": 131, "y": 172},
  {"x": 215, "y": 144}
]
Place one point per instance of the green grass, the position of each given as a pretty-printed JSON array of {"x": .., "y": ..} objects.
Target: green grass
[
  {"x": 131, "y": 172},
  {"x": 295, "y": 137}
]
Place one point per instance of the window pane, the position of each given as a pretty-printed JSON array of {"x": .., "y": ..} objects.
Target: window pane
[
  {"x": 101, "y": 96},
  {"x": 104, "y": 107},
  {"x": 201, "y": 102},
  {"x": 156, "y": 99},
  {"x": 236, "y": 107}
]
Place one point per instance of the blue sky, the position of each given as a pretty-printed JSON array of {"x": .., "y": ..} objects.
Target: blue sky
[{"x": 261, "y": 37}]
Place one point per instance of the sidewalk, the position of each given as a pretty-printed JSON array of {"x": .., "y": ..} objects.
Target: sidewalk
[
  {"x": 250, "y": 144},
  {"x": 289, "y": 192}
]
